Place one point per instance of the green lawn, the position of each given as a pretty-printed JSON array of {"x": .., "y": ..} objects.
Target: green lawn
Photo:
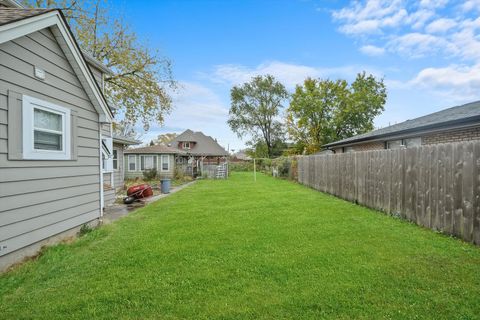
[{"x": 242, "y": 250}]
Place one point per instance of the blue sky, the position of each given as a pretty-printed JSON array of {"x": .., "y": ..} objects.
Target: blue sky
[{"x": 428, "y": 51}]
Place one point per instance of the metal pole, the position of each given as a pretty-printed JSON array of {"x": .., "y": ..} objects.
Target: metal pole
[{"x": 254, "y": 171}]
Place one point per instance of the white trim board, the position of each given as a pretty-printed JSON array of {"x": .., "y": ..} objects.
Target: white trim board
[{"x": 55, "y": 21}]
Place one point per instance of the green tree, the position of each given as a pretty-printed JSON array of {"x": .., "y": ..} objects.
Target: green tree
[
  {"x": 142, "y": 79},
  {"x": 255, "y": 108},
  {"x": 323, "y": 111},
  {"x": 165, "y": 138}
]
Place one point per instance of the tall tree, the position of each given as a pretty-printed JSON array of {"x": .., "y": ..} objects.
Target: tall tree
[
  {"x": 165, "y": 138},
  {"x": 322, "y": 111},
  {"x": 142, "y": 81},
  {"x": 255, "y": 108}
]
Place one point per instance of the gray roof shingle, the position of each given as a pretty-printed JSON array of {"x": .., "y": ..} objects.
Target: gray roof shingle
[
  {"x": 204, "y": 145},
  {"x": 9, "y": 15},
  {"x": 466, "y": 112}
]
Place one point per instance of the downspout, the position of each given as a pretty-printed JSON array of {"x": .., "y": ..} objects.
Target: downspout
[
  {"x": 113, "y": 171},
  {"x": 100, "y": 165}
]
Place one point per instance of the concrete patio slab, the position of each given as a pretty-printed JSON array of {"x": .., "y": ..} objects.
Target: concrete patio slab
[{"x": 116, "y": 211}]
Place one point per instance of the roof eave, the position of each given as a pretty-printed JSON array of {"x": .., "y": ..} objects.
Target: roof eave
[
  {"x": 55, "y": 18},
  {"x": 457, "y": 124}
]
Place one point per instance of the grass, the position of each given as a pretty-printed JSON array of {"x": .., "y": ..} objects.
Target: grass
[{"x": 237, "y": 249}]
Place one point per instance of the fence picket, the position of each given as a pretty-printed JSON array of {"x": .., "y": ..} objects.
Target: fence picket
[{"x": 434, "y": 186}]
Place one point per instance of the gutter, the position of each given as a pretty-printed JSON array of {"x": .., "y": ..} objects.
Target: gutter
[{"x": 434, "y": 128}]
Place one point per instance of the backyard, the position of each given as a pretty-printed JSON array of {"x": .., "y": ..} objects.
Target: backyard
[{"x": 241, "y": 249}]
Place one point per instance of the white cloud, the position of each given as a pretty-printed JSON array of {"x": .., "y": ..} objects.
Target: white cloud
[
  {"x": 440, "y": 25},
  {"x": 471, "y": 5},
  {"x": 457, "y": 82},
  {"x": 415, "y": 45},
  {"x": 371, "y": 17},
  {"x": 370, "y": 50},
  {"x": 195, "y": 107},
  {"x": 287, "y": 73},
  {"x": 415, "y": 28}
]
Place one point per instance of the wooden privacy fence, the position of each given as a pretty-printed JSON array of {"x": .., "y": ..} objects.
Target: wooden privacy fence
[{"x": 435, "y": 186}]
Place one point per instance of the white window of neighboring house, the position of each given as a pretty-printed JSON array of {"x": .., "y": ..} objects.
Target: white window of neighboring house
[
  {"x": 46, "y": 130},
  {"x": 394, "y": 144},
  {"x": 165, "y": 162},
  {"x": 147, "y": 162},
  {"x": 186, "y": 145},
  {"x": 412, "y": 142},
  {"x": 132, "y": 162},
  {"x": 115, "y": 159},
  {"x": 348, "y": 149}
]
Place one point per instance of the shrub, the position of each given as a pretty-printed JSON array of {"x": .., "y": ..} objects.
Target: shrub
[
  {"x": 150, "y": 174},
  {"x": 240, "y": 166},
  {"x": 178, "y": 174}
]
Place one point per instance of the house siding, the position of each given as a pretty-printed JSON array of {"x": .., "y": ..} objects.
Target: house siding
[
  {"x": 445, "y": 136},
  {"x": 41, "y": 198},
  {"x": 119, "y": 174},
  {"x": 139, "y": 174},
  {"x": 452, "y": 136}
]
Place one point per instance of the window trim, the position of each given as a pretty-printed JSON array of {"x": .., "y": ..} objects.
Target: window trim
[
  {"x": 161, "y": 162},
  {"x": 154, "y": 160},
  {"x": 134, "y": 161},
  {"x": 185, "y": 145},
  {"x": 115, "y": 159},
  {"x": 29, "y": 104}
]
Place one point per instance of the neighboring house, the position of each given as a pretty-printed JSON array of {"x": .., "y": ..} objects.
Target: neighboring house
[
  {"x": 240, "y": 156},
  {"x": 55, "y": 132},
  {"x": 120, "y": 143},
  {"x": 461, "y": 123},
  {"x": 199, "y": 152},
  {"x": 158, "y": 157},
  {"x": 113, "y": 168}
]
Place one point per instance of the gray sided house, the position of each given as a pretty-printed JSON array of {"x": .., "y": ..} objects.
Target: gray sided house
[
  {"x": 157, "y": 157},
  {"x": 460, "y": 123},
  {"x": 200, "y": 154},
  {"x": 55, "y": 133}
]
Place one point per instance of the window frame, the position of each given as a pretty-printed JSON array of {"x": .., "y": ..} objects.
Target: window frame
[
  {"x": 115, "y": 159},
  {"x": 29, "y": 104},
  {"x": 161, "y": 162},
  {"x": 142, "y": 161},
  {"x": 185, "y": 145},
  {"x": 134, "y": 162}
]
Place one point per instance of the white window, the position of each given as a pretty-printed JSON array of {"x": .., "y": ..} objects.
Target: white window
[
  {"x": 148, "y": 162},
  {"x": 348, "y": 149},
  {"x": 165, "y": 162},
  {"x": 115, "y": 159},
  {"x": 412, "y": 142},
  {"x": 394, "y": 144},
  {"x": 46, "y": 130},
  {"x": 186, "y": 145},
  {"x": 132, "y": 162}
]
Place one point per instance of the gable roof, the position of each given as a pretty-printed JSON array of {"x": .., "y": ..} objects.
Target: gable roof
[
  {"x": 456, "y": 116},
  {"x": 158, "y": 148},
  {"x": 204, "y": 145},
  {"x": 18, "y": 22},
  {"x": 8, "y": 15}
]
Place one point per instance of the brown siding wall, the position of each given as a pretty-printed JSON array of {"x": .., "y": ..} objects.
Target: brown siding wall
[{"x": 452, "y": 136}]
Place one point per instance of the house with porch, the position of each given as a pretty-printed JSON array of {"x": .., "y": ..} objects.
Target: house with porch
[
  {"x": 157, "y": 157},
  {"x": 201, "y": 154}
]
